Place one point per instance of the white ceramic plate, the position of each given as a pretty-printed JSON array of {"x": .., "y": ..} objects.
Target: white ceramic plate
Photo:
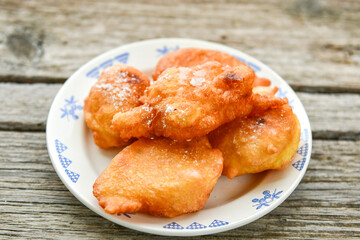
[{"x": 233, "y": 203}]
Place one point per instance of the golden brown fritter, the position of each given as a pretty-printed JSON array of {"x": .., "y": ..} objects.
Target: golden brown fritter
[
  {"x": 185, "y": 103},
  {"x": 262, "y": 87},
  {"x": 261, "y": 141},
  {"x": 118, "y": 89},
  {"x": 191, "y": 57},
  {"x": 161, "y": 177},
  {"x": 264, "y": 82}
]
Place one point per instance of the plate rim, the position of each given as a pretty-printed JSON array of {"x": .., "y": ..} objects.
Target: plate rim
[{"x": 168, "y": 232}]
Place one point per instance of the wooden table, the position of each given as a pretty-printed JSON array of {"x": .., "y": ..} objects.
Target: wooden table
[{"x": 314, "y": 45}]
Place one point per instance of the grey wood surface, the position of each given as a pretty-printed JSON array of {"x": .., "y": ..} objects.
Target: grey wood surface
[
  {"x": 314, "y": 45},
  {"x": 36, "y": 203},
  {"x": 48, "y": 40}
]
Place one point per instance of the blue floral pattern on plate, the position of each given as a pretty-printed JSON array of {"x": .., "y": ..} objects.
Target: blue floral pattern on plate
[
  {"x": 95, "y": 72},
  {"x": 174, "y": 225},
  {"x": 60, "y": 147},
  {"x": 218, "y": 223},
  {"x": 64, "y": 161},
  {"x": 125, "y": 214},
  {"x": 267, "y": 199},
  {"x": 195, "y": 225},
  {"x": 305, "y": 135},
  {"x": 70, "y": 108},
  {"x": 303, "y": 150},
  {"x": 283, "y": 93},
  {"x": 72, "y": 175},
  {"x": 166, "y": 49}
]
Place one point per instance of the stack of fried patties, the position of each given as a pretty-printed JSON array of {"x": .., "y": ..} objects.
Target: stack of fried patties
[{"x": 205, "y": 114}]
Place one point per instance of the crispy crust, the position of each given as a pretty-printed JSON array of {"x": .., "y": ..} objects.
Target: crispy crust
[
  {"x": 189, "y": 102},
  {"x": 259, "y": 142},
  {"x": 160, "y": 177},
  {"x": 118, "y": 89},
  {"x": 191, "y": 57}
]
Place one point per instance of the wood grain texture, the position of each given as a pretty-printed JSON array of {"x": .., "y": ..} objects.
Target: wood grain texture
[
  {"x": 313, "y": 44},
  {"x": 331, "y": 116},
  {"x": 35, "y": 204},
  {"x": 26, "y": 106}
]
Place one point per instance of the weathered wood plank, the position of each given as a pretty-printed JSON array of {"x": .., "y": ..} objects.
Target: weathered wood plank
[
  {"x": 313, "y": 44},
  {"x": 35, "y": 204},
  {"x": 331, "y": 115},
  {"x": 26, "y": 106}
]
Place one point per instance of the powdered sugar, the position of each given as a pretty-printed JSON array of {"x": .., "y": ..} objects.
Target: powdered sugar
[
  {"x": 184, "y": 74},
  {"x": 105, "y": 86},
  {"x": 123, "y": 75},
  {"x": 198, "y": 78},
  {"x": 192, "y": 173},
  {"x": 169, "y": 109},
  {"x": 116, "y": 85},
  {"x": 117, "y": 94},
  {"x": 123, "y": 93},
  {"x": 197, "y": 82},
  {"x": 147, "y": 108},
  {"x": 151, "y": 117}
]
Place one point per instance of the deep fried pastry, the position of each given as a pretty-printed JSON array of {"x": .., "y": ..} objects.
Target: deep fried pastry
[
  {"x": 118, "y": 89},
  {"x": 263, "y": 98},
  {"x": 265, "y": 91},
  {"x": 262, "y": 87},
  {"x": 185, "y": 103},
  {"x": 191, "y": 57},
  {"x": 258, "y": 142},
  {"x": 264, "y": 82},
  {"x": 161, "y": 177}
]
